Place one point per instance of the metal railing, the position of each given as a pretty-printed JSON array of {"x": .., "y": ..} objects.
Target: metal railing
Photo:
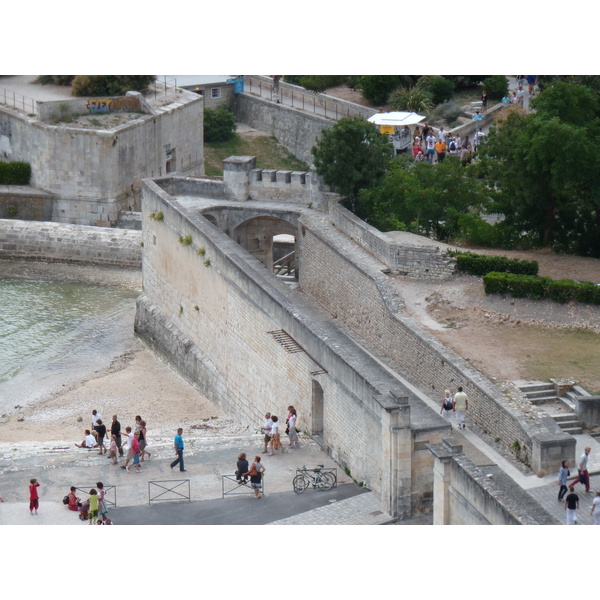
[
  {"x": 286, "y": 265},
  {"x": 169, "y": 494},
  {"x": 314, "y": 102},
  {"x": 238, "y": 489},
  {"x": 18, "y": 101},
  {"x": 110, "y": 494}
]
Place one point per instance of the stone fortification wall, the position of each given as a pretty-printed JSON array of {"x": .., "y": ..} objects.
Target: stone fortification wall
[
  {"x": 70, "y": 243},
  {"x": 353, "y": 289},
  {"x": 86, "y": 167},
  {"x": 465, "y": 494},
  {"x": 214, "y": 316},
  {"x": 412, "y": 257},
  {"x": 25, "y": 203},
  {"x": 296, "y": 130}
]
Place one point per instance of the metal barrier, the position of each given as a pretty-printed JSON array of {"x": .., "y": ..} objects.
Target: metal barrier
[
  {"x": 110, "y": 494},
  {"x": 239, "y": 489},
  {"x": 18, "y": 101},
  {"x": 177, "y": 495}
]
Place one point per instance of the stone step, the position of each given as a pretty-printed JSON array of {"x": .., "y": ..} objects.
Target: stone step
[
  {"x": 543, "y": 399},
  {"x": 568, "y": 417},
  {"x": 572, "y": 430},
  {"x": 542, "y": 394},
  {"x": 569, "y": 424},
  {"x": 536, "y": 387}
]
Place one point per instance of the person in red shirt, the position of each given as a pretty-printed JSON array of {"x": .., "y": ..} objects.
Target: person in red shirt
[{"x": 33, "y": 497}]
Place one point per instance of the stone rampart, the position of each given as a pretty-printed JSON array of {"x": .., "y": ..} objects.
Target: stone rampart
[
  {"x": 415, "y": 257},
  {"x": 89, "y": 168},
  {"x": 353, "y": 289},
  {"x": 252, "y": 344},
  {"x": 25, "y": 203},
  {"x": 61, "y": 242},
  {"x": 465, "y": 494},
  {"x": 295, "y": 130}
]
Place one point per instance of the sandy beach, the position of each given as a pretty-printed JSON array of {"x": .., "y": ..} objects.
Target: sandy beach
[{"x": 135, "y": 382}]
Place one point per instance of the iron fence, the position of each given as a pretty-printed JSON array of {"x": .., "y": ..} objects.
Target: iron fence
[
  {"x": 176, "y": 492},
  {"x": 110, "y": 494},
  {"x": 235, "y": 488},
  {"x": 18, "y": 101},
  {"x": 314, "y": 102}
]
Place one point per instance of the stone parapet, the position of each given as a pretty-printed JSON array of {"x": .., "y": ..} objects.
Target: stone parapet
[{"x": 70, "y": 243}]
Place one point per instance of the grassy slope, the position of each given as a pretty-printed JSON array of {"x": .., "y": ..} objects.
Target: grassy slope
[{"x": 269, "y": 154}]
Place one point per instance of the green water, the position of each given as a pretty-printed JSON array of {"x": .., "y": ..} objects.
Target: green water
[{"x": 49, "y": 327}]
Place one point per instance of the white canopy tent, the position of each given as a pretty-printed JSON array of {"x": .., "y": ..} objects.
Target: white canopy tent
[{"x": 397, "y": 119}]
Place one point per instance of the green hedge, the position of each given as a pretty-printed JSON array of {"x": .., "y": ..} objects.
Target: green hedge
[
  {"x": 14, "y": 173},
  {"x": 527, "y": 286},
  {"x": 481, "y": 264}
]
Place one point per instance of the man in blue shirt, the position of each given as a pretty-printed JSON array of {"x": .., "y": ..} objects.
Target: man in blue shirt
[{"x": 178, "y": 443}]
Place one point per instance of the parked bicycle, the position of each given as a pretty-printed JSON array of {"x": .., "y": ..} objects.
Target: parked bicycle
[{"x": 318, "y": 478}]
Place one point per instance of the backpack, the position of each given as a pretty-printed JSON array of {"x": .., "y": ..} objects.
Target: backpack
[
  {"x": 452, "y": 145},
  {"x": 66, "y": 500},
  {"x": 448, "y": 404}
]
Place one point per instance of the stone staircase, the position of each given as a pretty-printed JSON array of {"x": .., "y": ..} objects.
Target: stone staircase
[{"x": 543, "y": 393}]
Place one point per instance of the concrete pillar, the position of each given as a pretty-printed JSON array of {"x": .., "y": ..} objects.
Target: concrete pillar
[
  {"x": 236, "y": 176},
  {"x": 442, "y": 478}
]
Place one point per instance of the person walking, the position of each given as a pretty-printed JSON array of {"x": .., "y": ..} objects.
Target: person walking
[
  {"x": 291, "y": 427},
  {"x": 100, "y": 434},
  {"x": 34, "y": 499},
  {"x": 267, "y": 427},
  {"x": 571, "y": 506},
  {"x": 115, "y": 429},
  {"x": 135, "y": 450},
  {"x": 563, "y": 475},
  {"x": 101, "y": 501},
  {"x": 112, "y": 449},
  {"x": 143, "y": 441},
  {"x": 93, "y": 509},
  {"x": 440, "y": 150},
  {"x": 447, "y": 407},
  {"x": 129, "y": 456},
  {"x": 255, "y": 473},
  {"x": 582, "y": 468},
  {"x": 461, "y": 405},
  {"x": 178, "y": 445},
  {"x": 95, "y": 418},
  {"x": 596, "y": 509}
]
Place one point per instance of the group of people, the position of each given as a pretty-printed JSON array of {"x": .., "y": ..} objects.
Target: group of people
[
  {"x": 136, "y": 444},
  {"x": 456, "y": 405},
  {"x": 272, "y": 437},
  {"x": 94, "y": 509},
  {"x": 571, "y": 500},
  {"x": 433, "y": 148}
]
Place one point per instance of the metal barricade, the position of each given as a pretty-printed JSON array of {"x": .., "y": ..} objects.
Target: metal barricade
[
  {"x": 238, "y": 489},
  {"x": 169, "y": 493}
]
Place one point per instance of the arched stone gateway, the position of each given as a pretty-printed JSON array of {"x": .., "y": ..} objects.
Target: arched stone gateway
[{"x": 256, "y": 236}]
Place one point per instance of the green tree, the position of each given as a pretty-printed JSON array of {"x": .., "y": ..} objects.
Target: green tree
[
  {"x": 110, "y": 85},
  {"x": 352, "y": 155},
  {"x": 411, "y": 100},
  {"x": 377, "y": 88},
  {"x": 496, "y": 86},
  {"x": 439, "y": 88},
  {"x": 550, "y": 185},
  {"x": 219, "y": 124},
  {"x": 424, "y": 198}
]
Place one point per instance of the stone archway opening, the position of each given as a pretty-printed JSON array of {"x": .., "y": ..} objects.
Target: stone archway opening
[{"x": 273, "y": 242}]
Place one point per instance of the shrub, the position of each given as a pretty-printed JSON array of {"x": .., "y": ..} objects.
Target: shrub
[
  {"x": 439, "y": 88},
  {"x": 411, "y": 100},
  {"x": 15, "y": 173},
  {"x": 377, "y": 88},
  {"x": 110, "y": 85},
  {"x": 319, "y": 83},
  {"x": 219, "y": 124},
  {"x": 448, "y": 111},
  {"x": 496, "y": 86},
  {"x": 482, "y": 264}
]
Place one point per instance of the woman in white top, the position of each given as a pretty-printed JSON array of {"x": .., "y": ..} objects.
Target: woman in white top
[
  {"x": 291, "y": 422},
  {"x": 446, "y": 410},
  {"x": 275, "y": 437}
]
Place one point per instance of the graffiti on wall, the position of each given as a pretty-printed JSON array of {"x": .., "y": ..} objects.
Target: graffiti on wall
[{"x": 106, "y": 105}]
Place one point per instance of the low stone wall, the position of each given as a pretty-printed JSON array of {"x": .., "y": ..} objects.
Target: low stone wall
[
  {"x": 418, "y": 259},
  {"x": 26, "y": 204},
  {"x": 70, "y": 243},
  {"x": 294, "y": 129},
  {"x": 588, "y": 411},
  {"x": 465, "y": 494}
]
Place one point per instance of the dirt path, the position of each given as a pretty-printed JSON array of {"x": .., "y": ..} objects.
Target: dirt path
[{"x": 511, "y": 339}]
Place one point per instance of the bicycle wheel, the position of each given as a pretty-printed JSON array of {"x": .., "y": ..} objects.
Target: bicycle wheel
[
  {"x": 325, "y": 481},
  {"x": 300, "y": 483},
  {"x": 331, "y": 478}
]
